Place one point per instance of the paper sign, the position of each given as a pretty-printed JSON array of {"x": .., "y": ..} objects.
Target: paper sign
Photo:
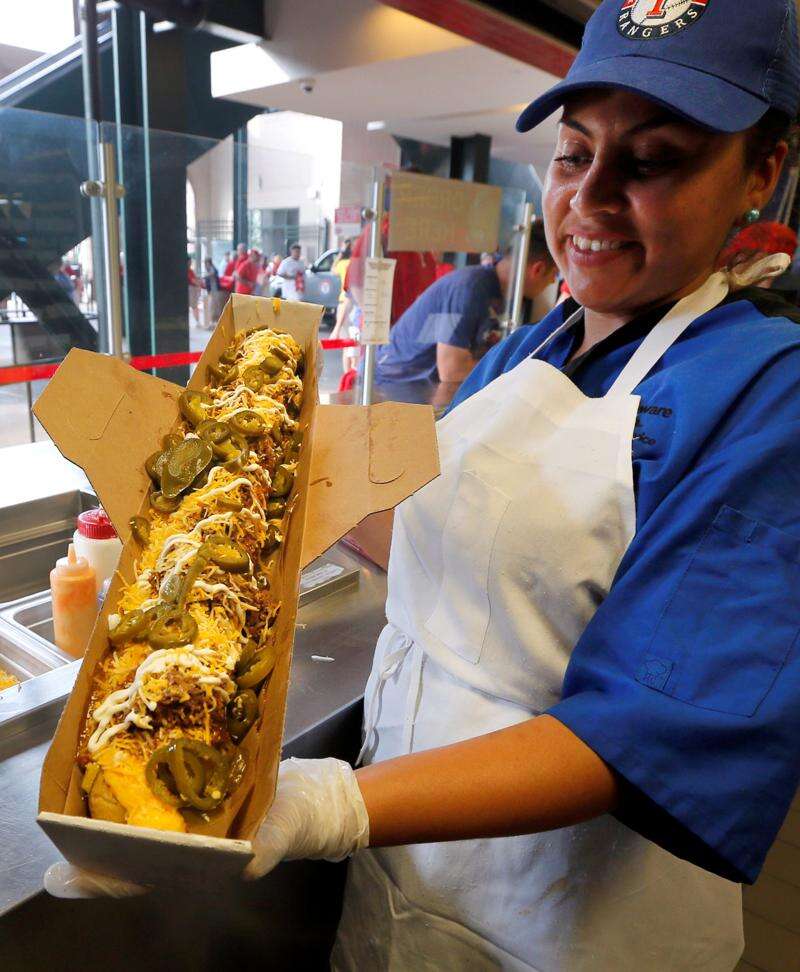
[
  {"x": 376, "y": 305},
  {"x": 347, "y": 214},
  {"x": 429, "y": 213},
  {"x": 347, "y": 221}
]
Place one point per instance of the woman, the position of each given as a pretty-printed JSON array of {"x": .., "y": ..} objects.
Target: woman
[
  {"x": 216, "y": 295},
  {"x": 590, "y": 655},
  {"x": 194, "y": 291}
]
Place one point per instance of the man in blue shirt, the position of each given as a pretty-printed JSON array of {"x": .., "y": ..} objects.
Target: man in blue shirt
[{"x": 442, "y": 334}]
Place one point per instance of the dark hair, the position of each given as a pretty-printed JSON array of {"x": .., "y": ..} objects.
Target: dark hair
[
  {"x": 763, "y": 138},
  {"x": 538, "y": 246}
]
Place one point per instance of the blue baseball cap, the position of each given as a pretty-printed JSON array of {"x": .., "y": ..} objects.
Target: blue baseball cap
[{"x": 720, "y": 63}]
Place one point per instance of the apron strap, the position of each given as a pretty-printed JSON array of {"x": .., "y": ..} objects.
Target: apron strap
[
  {"x": 571, "y": 321},
  {"x": 668, "y": 330},
  {"x": 388, "y": 668}
]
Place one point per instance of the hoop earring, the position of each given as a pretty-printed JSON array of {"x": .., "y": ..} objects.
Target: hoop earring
[{"x": 752, "y": 216}]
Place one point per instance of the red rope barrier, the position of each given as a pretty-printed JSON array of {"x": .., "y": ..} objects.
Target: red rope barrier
[{"x": 16, "y": 374}]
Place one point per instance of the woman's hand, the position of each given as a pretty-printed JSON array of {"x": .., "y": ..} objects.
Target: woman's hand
[
  {"x": 64, "y": 880},
  {"x": 318, "y": 813}
]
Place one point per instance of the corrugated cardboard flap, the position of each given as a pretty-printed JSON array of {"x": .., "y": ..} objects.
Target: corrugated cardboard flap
[{"x": 365, "y": 460}]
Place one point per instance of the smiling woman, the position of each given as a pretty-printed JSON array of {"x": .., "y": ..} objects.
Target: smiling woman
[{"x": 591, "y": 648}]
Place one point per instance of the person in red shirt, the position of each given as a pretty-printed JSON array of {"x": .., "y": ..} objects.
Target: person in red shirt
[
  {"x": 246, "y": 273},
  {"x": 226, "y": 281},
  {"x": 413, "y": 273}
]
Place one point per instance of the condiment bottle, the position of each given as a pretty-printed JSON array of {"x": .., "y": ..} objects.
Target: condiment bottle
[
  {"x": 74, "y": 592},
  {"x": 97, "y": 541}
]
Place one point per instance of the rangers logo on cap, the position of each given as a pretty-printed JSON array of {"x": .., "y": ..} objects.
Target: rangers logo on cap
[{"x": 653, "y": 19}]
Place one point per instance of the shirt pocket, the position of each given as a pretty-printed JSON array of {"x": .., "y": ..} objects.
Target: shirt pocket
[
  {"x": 733, "y": 619},
  {"x": 460, "y": 616}
]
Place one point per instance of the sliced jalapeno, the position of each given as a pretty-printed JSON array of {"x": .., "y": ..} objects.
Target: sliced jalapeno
[
  {"x": 196, "y": 568},
  {"x": 183, "y": 464},
  {"x": 153, "y": 464},
  {"x": 213, "y": 431},
  {"x": 161, "y": 503},
  {"x": 235, "y": 448},
  {"x": 200, "y": 479},
  {"x": 260, "y": 665},
  {"x": 281, "y": 352},
  {"x": 171, "y": 589},
  {"x": 282, "y": 481},
  {"x": 220, "y": 373},
  {"x": 228, "y": 554},
  {"x": 228, "y": 356},
  {"x": 130, "y": 626},
  {"x": 254, "y": 378},
  {"x": 230, "y": 503},
  {"x": 170, "y": 441},
  {"x": 249, "y": 649},
  {"x": 276, "y": 509},
  {"x": 242, "y": 713},
  {"x": 271, "y": 364},
  {"x": 248, "y": 423},
  {"x": 273, "y": 539},
  {"x": 193, "y": 404},
  {"x": 158, "y": 762},
  {"x": 215, "y": 783},
  {"x": 140, "y": 528},
  {"x": 173, "y": 630}
]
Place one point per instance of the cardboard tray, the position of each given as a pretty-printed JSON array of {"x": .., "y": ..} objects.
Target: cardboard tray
[{"x": 107, "y": 418}]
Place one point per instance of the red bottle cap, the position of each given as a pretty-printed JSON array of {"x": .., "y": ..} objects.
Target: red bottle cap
[{"x": 96, "y": 525}]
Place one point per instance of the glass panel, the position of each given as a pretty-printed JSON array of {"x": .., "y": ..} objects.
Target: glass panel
[
  {"x": 412, "y": 376},
  {"x": 164, "y": 242},
  {"x": 49, "y": 278},
  {"x": 181, "y": 219}
]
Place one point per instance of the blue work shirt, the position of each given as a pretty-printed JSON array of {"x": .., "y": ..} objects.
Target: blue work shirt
[
  {"x": 453, "y": 311},
  {"x": 687, "y": 680}
]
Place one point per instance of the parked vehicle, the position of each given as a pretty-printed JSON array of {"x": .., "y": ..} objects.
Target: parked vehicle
[{"x": 322, "y": 284}]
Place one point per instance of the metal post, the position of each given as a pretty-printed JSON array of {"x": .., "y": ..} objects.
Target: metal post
[
  {"x": 90, "y": 69},
  {"x": 375, "y": 250},
  {"x": 112, "y": 192},
  {"x": 108, "y": 192},
  {"x": 520, "y": 267}
]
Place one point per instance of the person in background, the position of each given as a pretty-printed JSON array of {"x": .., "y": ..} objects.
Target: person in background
[
  {"x": 63, "y": 276},
  {"x": 442, "y": 334},
  {"x": 239, "y": 256},
  {"x": 194, "y": 292},
  {"x": 340, "y": 265},
  {"x": 291, "y": 268},
  {"x": 756, "y": 242},
  {"x": 274, "y": 263},
  {"x": 246, "y": 273},
  {"x": 214, "y": 293}
]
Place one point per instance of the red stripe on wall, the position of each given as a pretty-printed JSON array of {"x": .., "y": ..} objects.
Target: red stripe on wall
[{"x": 492, "y": 29}]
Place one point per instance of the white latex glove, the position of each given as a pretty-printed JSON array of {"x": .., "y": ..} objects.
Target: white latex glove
[
  {"x": 64, "y": 880},
  {"x": 318, "y": 813}
]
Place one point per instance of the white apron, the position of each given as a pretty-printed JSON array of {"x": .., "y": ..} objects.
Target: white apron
[{"x": 496, "y": 569}]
